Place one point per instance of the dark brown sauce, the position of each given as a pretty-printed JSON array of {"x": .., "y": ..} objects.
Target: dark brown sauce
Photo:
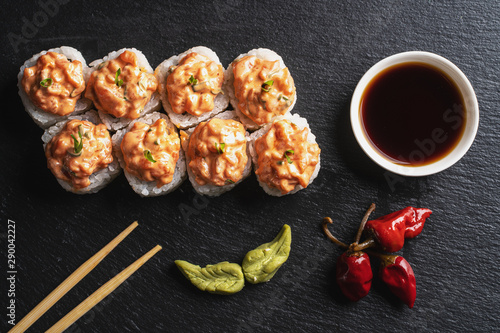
[{"x": 413, "y": 113}]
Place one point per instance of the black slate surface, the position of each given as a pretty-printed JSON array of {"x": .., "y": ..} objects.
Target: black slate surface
[{"x": 327, "y": 46}]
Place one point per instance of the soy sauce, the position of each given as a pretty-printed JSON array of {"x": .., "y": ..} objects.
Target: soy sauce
[{"x": 413, "y": 113}]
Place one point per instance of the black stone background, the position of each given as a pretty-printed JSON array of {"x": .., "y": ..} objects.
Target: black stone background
[{"x": 328, "y": 45}]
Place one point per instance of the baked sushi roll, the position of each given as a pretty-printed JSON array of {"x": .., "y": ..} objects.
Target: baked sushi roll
[
  {"x": 122, "y": 87},
  {"x": 260, "y": 87},
  {"x": 79, "y": 153},
  {"x": 217, "y": 156},
  {"x": 285, "y": 155},
  {"x": 149, "y": 151},
  {"x": 190, "y": 86},
  {"x": 51, "y": 85}
]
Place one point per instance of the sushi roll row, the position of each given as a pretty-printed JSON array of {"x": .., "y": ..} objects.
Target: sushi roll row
[{"x": 215, "y": 148}]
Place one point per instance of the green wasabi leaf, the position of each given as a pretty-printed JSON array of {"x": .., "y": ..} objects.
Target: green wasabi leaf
[
  {"x": 224, "y": 278},
  {"x": 149, "y": 156},
  {"x": 46, "y": 82},
  {"x": 261, "y": 264}
]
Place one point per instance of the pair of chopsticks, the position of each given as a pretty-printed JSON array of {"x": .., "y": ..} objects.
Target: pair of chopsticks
[{"x": 76, "y": 277}]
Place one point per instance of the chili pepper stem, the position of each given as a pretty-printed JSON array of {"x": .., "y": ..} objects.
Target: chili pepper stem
[
  {"x": 365, "y": 245},
  {"x": 363, "y": 223},
  {"x": 328, "y": 234}
]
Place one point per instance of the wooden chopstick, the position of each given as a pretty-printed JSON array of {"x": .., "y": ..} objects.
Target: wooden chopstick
[
  {"x": 70, "y": 282},
  {"x": 100, "y": 293}
]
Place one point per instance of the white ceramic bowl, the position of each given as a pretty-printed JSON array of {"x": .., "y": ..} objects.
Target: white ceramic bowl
[{"x": 471, "y": 118}]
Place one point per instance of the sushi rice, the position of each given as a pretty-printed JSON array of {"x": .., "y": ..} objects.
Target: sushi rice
[
  {"x": 99, "y": 179},
  {"x": 301, "y": 123},
  {"x": 141, "y": 187},
  {"x": 111, "y": 122},
  {"x": 228, "y": 87},
  {"x": 187, "y": 120},
  {"x": 40, "y": 117},
  {"x": 209, "y": 189}
]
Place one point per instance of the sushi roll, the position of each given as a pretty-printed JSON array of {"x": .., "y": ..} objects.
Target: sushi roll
[
  {"x": 217, "y": 156},
  {"x": 123, "y": 87},
  {"x": 51, "y": 85},
  {"x": 260, "y": 87},
  {"x": 285, "y": 155},
  {"x": 79, "y": 153},
  {"x": 190, "y": 86},
  {"x": 150, "y": 154}
]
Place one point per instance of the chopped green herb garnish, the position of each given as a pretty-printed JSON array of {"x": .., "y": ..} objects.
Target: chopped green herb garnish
[
  {"x": 102, "y": 64},
  {"x": 119, "y": 83},
  {"x": 220, "y": 147},
  {"x": 192, "y": 80},
  {"x": 77, "y": 145},
  {"x": 157, "y": 142},
  {"x": 229, "y": 181},
  {"x": 200, "y": 86},
  {"x": 273, "y": 73},
  {"x": 46, "y": 82},
  {"x": 287, "y": 155},
  {"x": 263, "y": 101},
  {"x": 148, "y": 156},
  {"x": 279, "y": 162},
  {"x": 266, "y": 86}
]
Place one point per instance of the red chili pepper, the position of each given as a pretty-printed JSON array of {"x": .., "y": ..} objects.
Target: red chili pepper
[
  {"x": 397, "y": 273},
  {"x": 391, "y": 230},
  {"x": 354, "y": 271},
  {"x": 354, "y": 275},
  {"x": 415, "y": 221}
]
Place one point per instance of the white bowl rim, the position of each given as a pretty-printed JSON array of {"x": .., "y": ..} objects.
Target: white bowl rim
[{"x": 471, "y": 107}]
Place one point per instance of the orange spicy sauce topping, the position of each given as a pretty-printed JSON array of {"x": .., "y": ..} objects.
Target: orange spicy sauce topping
[
  {"x": 73, "y": 165},
  {"x": 151, "y": 152},
  {"x": 217, "y": 152},
  {"x": 193, "y": 84},
  {"x": 54, "y": 84},
  {"x": 285, "y": 157},
  {"x": 120, "y": 87},
  {"x": 263, "y": 89}
]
